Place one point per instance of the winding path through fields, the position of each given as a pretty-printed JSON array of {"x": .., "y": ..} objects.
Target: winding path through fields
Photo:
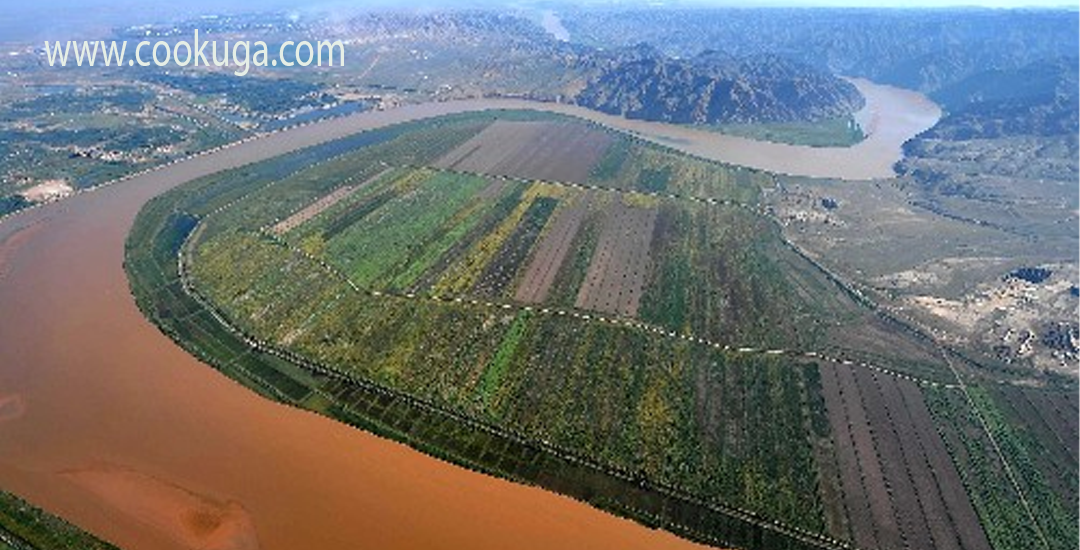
[{"x": 106, "y": 422}]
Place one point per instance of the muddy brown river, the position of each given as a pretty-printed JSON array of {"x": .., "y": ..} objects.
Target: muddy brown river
[
  {"x": 104, "y": 421},
  {"x": 891, "y": 117}
]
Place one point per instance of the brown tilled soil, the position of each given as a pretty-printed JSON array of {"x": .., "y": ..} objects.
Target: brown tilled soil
[
  {"x": 964, "y": 523},
  {"x": 551, "y": 151},
  {"x": 863, "y": 533},
  {"x": 619, "y": 268},
  {"x": 320, "y": 206},
  {"x": 900, "y": 487},
  {"x": 550, "y": 252}
]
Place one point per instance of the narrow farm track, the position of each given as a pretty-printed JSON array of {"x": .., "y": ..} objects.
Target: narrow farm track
[
  {"x": 341, "y": 193},
  {"x": 1010, "y": 473}
]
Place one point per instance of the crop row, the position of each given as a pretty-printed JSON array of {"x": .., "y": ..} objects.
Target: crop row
[
  {"x": 1029, "y": 515},
  {"x": 633, "y": 165}
]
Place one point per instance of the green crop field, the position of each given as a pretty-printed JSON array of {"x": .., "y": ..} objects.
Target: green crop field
[
  {"x": 832, "y": 132},
  {"x": 25, "y": 527},
  {"x": 646, "y": 340}
]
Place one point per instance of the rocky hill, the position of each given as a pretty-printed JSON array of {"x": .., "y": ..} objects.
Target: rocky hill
[
  {"x": 483, "y": 53},
  {"x": 640, "y": 82},
  {"x": 925, "y": 50},
  {"x": 1038, "y": 99}
]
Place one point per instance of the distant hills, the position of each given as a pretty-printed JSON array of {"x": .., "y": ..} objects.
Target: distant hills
[
  {"x": 992, "y": 70},
  {"x": 712, "y": 87},
  {"x": 500, "y": 54},
  {"x": 1005, "y": 153},
  {"x": 926, "y": 50},
  {"x": 1006, "y": 79},
  {"x": 1039, "y": 99}
]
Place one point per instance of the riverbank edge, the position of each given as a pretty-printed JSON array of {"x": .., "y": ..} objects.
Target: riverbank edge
[{"x": 24, "y": 526}]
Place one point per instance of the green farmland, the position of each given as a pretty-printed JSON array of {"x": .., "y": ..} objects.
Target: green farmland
[
  {"x": 25, "y": 527},
  {"x": 630, "y": 329}
]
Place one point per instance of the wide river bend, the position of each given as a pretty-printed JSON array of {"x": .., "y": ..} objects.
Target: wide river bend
[{"x": 106, "y": 422}]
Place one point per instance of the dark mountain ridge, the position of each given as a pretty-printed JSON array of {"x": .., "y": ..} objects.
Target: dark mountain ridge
[
  {"x": 713, "y": 87},
  {"x": 926, "y": 49},
  {"x": 637, "y": 81},
  {"x": 1038, "y": 99}
]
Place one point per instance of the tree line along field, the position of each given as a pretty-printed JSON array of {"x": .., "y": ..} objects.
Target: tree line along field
[{"x": 617, "y": 322}]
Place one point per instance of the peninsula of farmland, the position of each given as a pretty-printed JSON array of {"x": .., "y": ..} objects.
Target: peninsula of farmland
[{"x": 533, "y": 296}]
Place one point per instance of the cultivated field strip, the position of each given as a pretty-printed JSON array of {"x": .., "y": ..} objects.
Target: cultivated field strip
[
  {"x": 901, "y": 489},
  {"x": 499, "y": 273},
  {"x": 551, "y": 252},
  {"x": 617, "y": 275},
  {"x": 586, "y": 316},
  {"x": 1051, "y": 417},
  {"x": 1055, "y": 411},
  {"x": 968, "y": 532},
  {"x": 323, "y": 203},
  {"x": 550, "y": 151}
]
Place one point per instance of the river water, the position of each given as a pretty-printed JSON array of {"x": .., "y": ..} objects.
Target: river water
[
  {"x": 891, "y": 117},
  {"x": 106, "y": 422}
]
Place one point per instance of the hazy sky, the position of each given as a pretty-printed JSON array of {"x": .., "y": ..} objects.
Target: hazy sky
[
  {"x": 859, "y": 3},
  {"x": 53, "y": 19},
  {"x": 908, "y": 3}
]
